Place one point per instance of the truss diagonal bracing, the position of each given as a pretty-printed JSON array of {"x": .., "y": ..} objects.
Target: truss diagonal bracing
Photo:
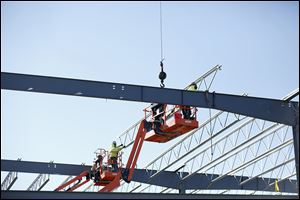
[{"x": 266, "y": 134}]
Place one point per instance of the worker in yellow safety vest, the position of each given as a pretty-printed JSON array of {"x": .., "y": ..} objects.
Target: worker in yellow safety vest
[
  {"x": 113, "y": 153},
  {"x": 186, "y": 110}
]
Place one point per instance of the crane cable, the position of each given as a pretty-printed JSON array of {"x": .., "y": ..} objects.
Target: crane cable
[{"x": 162, "y": 75}]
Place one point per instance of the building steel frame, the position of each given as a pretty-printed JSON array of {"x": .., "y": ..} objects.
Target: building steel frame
[
  {"x": 165, "y": 178},
  {"x": 127, "y": 137},
  {"x": 119, "y": 195},
  {"x": 245, "y": 132},
  {"x": 279, "y": 111}
]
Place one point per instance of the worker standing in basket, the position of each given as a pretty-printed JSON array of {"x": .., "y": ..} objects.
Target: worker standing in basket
[
  {"x": 158, "y": 110},
  {"x": 114, "y": 151},
  {"x": 186, "y": 110},
  {"x": 96, "y": 168}
]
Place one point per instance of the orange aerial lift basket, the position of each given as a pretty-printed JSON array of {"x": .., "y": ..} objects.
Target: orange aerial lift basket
[
  {"x": 172, "y": 123},
  {"x": 107, "y": 173}
]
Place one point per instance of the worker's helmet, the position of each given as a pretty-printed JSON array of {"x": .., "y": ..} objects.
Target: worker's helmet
[
  {"x": 114, "y": 143},
  {"x": 194, "y": 84},
  {"x": 99, "y": 158}
]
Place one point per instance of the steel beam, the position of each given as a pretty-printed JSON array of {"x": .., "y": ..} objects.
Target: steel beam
[
  {"x": 252, "y": 121},
  {"x": 262, "y": 108},
  {"x": 128, "y": 136},
  {"x": 120, "y": 195},
  {"x": 165, "y": 179},
  {"x": 43, "y": 167}
]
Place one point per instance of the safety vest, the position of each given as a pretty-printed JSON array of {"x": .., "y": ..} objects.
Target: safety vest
[
  {"x": 114, "y": 151},
  {"x": 192, "y": 88}
]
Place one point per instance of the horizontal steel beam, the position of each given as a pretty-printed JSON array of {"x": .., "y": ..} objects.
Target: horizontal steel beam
[
  {"x": 262, "y": 108},
  {"x": 120, "y": 195},
  {"x": 43, "y": 167},
  {"x": 165, "y": 178}
]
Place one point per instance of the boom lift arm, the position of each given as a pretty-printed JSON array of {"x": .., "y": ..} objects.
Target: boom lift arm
[
  {"x": 73, "y": 180},
  {"x": 127, "y": 173}
]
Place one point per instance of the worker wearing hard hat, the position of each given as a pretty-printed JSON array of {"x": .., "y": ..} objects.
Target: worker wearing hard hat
[
  {"x": 113, "y": 152},
  {"x": 186, "y": 110},
  {"x": 96, "y": 168}
]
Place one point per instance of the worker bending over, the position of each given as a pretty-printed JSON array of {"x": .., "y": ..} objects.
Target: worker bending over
[
  {"x": 114, "y": 151},
  {"x": 186, "y": 110}
]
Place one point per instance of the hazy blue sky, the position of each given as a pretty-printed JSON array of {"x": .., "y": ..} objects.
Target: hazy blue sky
[{"x": 257, "y": 43}]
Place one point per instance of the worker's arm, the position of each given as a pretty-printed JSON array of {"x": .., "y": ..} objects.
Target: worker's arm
[{"x": 119, "y": 148}]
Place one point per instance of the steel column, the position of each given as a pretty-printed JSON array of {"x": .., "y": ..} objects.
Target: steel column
[{"x": 296, "y": 147}]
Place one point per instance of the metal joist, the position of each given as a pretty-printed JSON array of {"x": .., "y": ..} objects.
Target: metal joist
[
  {"x": 225, "y": 141},
  {"x": 38, "y": 183},
  {"x": 9, "y": 180},
  {"x": 193, "y": 140},
  {"x": 280, "y": 181},
  {"x": 230, "y": 148},
  {"x": 263, "y": 108},
  {"x": 127, "y": 137},
  {"x": 203, "y": 158},
  {"x": 244, "y": 180},
  {"x": 214, "y": 181}
]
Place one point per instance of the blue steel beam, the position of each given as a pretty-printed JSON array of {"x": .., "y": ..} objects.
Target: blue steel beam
[
  {"x": 43, "y": 167},
  {"x": 120, "y": 195},
  {"x": 165, "y": 179},
  {"x": 262, "y": 108}
]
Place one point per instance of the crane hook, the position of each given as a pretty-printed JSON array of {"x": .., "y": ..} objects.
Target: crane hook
[{"x": 162, "y": 75}]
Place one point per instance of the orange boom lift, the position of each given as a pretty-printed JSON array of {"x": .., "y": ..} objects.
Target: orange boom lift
[{"x": 172, "y": 126}]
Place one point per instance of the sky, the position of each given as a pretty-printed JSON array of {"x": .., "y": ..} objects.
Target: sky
[{"x": 257, "y": 44}]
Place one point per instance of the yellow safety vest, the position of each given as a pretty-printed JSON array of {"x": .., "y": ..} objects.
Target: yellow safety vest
[
  {"x": 191, "y": 88},
  {"x": 114, "y": 151}
]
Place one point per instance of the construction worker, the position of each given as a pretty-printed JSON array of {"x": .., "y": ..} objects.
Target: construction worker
[
  {"x": 186, "y": 110},
  {"x": 157, "y": 112},
  {"x": 113, "y": 153},
  {"x": 96, "y": 168}
]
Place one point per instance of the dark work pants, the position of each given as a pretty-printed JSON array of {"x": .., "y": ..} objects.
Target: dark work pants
[
  {"x": 114, "y": 164},
  {"x": 186, "y": 111}
]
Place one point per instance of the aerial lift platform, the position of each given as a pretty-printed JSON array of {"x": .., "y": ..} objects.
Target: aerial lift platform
[{"x": 171, "y": 125}]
